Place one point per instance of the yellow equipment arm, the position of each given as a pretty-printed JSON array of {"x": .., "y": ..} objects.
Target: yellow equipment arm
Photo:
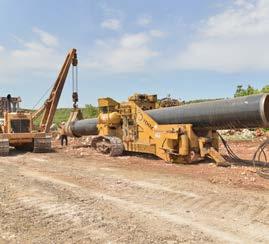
[{"x": 50, "y": 106}]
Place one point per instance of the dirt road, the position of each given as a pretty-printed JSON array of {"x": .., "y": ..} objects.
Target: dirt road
[{"x": 61, "y": 198}]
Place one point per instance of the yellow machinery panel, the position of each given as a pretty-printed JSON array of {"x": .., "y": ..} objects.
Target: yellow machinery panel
[{"x": 138, "y": 132}]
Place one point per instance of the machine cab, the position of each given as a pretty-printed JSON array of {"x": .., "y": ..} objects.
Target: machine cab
[{"x": 18, "y": 122}]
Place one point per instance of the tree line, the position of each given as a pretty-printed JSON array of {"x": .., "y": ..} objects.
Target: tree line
[{"x": 250, "y": 90}]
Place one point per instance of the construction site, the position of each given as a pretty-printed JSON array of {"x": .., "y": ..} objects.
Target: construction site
[{"x": 146, "y": 170}]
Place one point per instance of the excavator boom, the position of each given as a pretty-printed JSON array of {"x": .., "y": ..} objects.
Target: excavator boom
[{"x": 50, "y": 106}]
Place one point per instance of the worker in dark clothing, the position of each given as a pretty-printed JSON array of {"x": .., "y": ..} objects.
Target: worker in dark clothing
[{"x": 63, "y": 136}]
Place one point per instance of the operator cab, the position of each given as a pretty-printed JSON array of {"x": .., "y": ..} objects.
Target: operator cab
[
  {"x": 19, "y": 122},
  {"x": 12, "y": 119}
]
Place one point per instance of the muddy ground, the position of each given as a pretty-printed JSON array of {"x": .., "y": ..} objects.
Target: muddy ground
[{"x": 79, "y": 196}]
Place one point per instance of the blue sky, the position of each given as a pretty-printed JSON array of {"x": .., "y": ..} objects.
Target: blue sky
[{"x": 189, "y": 48}]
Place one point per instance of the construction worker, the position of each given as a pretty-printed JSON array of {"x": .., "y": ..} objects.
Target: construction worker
[{"x": 63, "y": 136}]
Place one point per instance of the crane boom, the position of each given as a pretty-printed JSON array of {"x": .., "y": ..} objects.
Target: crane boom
[{"x": 50, "y": 106}]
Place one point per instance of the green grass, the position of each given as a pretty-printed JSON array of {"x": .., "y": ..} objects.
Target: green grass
[{"x": 62, "y": 114}]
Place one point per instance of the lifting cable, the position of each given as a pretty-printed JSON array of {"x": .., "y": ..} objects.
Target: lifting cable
[
  {"x": 75, "y": 85},
  {"x": 256, "y": 160},
  {"x": 75, "y": 78},
  {"x": 42, "y": 97}
]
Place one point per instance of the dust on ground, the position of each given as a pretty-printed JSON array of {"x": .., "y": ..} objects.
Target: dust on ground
[
  {"x": 75, "y": 195},
  {"x": 238, "y": 175}
]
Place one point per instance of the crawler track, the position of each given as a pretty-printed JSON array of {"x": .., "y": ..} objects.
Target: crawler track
[
  {"x": 42, "y": 145},
  {"x": 4, "y": 147},
  {"x": 110, "y": 145}
]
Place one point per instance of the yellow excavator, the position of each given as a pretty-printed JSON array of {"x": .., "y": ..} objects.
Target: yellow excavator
[{"x": 17, "y": 127}]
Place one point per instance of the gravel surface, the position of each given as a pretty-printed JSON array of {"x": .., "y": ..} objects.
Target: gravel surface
[{"x": 79, "y": 196}]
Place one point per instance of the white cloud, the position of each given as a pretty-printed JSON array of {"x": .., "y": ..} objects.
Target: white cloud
[
  {"x": 144, "y": 20},
  {"x": 110, "y": 12},
  {"x": 243, "y": 3},
  {"x": 134, "y": 40},
  {"x": 232, "y": 41},
  {"x": 157, "y": 33},
  {"x": 2, "y": 48},
  {"x": 112, "y": 24},
  {"x": 46, "y": 38},
  {"x": 32, "y": 57},
  {"x": 129, "y": 53},
  {"x": 246, "y": 20}
]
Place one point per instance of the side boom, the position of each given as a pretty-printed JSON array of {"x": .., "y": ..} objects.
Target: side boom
[{"x": 50, "y": 106}]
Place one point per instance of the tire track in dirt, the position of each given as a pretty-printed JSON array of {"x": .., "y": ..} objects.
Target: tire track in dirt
[
  {"x": 211, "y": 202},
  {"x": 35, "y": 205},
  {"x": 222, "y": 232},
  {"x": 211, "y": 213}
]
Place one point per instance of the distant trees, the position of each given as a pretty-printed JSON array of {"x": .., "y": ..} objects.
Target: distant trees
[
  {"x": 250, "y": 90},
  {"x": 90, "y": 111},
  {"x": 265, "y": 89}
]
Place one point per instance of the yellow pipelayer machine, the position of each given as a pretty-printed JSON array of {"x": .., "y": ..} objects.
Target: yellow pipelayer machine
[
  {"x": 17, "y": 127},
  {"x": 138, "y": 132},
  {"x": 179, "y": 134}
]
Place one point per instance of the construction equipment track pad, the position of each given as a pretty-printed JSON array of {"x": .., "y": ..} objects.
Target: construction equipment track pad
[
  {"x": 4, "y": 147},
  {"x": 108, "y": 145},
  {"x": 42, "y": 145}
]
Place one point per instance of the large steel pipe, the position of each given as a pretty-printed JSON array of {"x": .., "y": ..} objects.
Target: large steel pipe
[
  {"x": 83, "y": 127},
  {"x": 242, "y": 112}
]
